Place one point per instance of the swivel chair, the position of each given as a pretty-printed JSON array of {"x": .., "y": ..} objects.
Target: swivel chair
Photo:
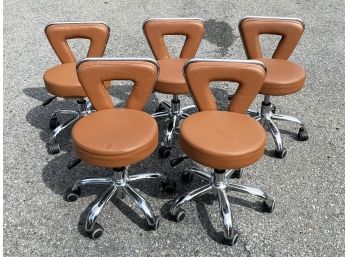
[
  {"x": 115, "y": 138},
  {"x": 222, "y": 140},
  {"x": 61, "y": 80},
  {"x": 171, "y": 80},
  {"x": 283, "y": 77}
]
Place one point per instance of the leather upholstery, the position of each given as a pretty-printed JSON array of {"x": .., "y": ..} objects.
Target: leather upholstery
[
  {"x": 249, "y": 76},
  {"x": 171, "y": 80},
  {"x": 251, "y": 28},
  {"x": 222, "y": 140},
  {"x": 58, "y": 34},
  {"x": 283, "y": 77},
  {"x": 92, "y": 74},
  {"x": 228, "y": 139},
  {"x": 116, "y": 137},
  {"x": 62, "y": 80}
]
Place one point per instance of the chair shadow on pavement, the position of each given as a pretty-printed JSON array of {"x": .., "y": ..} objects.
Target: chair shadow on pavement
[{"x": 39, "y": 116}]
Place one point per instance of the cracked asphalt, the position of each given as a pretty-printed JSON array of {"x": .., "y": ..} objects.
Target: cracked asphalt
[{"x": 308, "y": 184}]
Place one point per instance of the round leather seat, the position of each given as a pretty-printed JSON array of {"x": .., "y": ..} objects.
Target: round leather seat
[
  {"x": 283, "y": 77},
  {"x": 222, "y": 140},
  {"x": 62, "y": 81},
  {"x": 171, "y": 78},
  {"x": 115, "y": 138}
]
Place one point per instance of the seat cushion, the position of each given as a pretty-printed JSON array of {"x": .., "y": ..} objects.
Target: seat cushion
[
  {"x": 171, "y": 78},
  {"x": 283, "y": 77},
  {"x": 222, "y": 140},
  {"x": 62, "y": 81},
  {"x": 115, "y": 138}
]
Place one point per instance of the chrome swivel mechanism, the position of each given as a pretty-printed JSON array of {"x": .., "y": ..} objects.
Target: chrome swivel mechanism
[
  {"x": 218, "y": 183},
  {"x": 118, "y": 187},
  {"x": 175, "y": 113},
  {"x": 84, "y": 108},
  {"x": 266, "y": 117}
]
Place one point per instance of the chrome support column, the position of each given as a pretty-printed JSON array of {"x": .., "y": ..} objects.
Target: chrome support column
[{"x": 175, "y": 113}]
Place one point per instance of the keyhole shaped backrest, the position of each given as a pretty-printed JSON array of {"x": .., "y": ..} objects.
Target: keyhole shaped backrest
[
  {"x": 58, "y": 34},
  {"x": 94, "y": 72},
  {"x": 250, "y": 76},
  {"x": 156, "y": 29},
  {"x": 290, "y": 30}
]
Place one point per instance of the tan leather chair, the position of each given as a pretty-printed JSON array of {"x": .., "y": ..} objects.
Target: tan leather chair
[
  {"x": 283, "y": 77},
  {"x": 222, "y": 140},
  {"x": 115, "y": 138},
  {"x": 61, "y": 80},
  {"x": 171, "y": 79}
]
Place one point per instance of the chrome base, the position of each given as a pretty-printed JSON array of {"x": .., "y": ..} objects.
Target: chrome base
[
  {"x": 84, "y": 108},
  {"x": 118, "y": 185},
  {"x": 218, "y": 184},
  {"x": 175, "y": 113},
  {"x": 266, "y": 117}
]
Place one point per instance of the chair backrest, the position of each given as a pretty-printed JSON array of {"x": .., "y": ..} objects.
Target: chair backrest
[
  {"x": 290, "y": 30},
  {"x": 93, "y": 72},
  {"x": 250, "y": 76},
  {"x": 156, "y": 29},
  {"x": 58, "y": 33}
]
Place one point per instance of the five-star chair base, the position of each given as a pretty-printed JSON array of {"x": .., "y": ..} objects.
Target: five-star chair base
[
  {"x": 218, "y": 184},
  {"x": 266, "y": 117},
  {"x": 118, "y": 186}
]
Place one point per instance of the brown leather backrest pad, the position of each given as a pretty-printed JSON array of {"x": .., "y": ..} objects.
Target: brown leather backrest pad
[
  {"x": 250, "y": 77},
  {"x": 59, "y": 33},
  {"x": 251, "y": 28},
  {"x": 156, "y": 29},
  {"x": 92, "y": 74}
]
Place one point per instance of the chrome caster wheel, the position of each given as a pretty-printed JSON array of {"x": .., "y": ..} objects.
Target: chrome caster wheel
[
  {"x": 187, "y": 177},
  {"x": 273, "y": 109},
  {"x": 168, "y": 186},
  {"x": 155, "y": 225},
  {"x": 164, "y": 152},
  {"x": 53, "y": 148},
  {"x": 72, "y": 196},
  {"x": 302, "y": 134},
  {"x": 179, "y": 215},
  {"x": 280, "y": 154},
  {"x": 54, "y": 122},
  {"x": 233, "y": 240},
  {"x": 160, "y": 108},
  {"x": 237, "y": 173},
  {"x": 96, "y": 232},
  {"x": 268, "y": 205}
]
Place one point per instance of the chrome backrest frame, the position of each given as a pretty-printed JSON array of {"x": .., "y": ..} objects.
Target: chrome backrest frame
[
  {"x": 223, "y": 60},
  {"x": 177, "y": 18},
  {"x": 88, "y": 59},
  {"x": 271, "y": 17},
  {"x": 76, "y": 22}
]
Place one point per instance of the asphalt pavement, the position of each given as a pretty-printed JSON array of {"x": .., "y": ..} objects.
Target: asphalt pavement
[{"x": 308, "y": 185}]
